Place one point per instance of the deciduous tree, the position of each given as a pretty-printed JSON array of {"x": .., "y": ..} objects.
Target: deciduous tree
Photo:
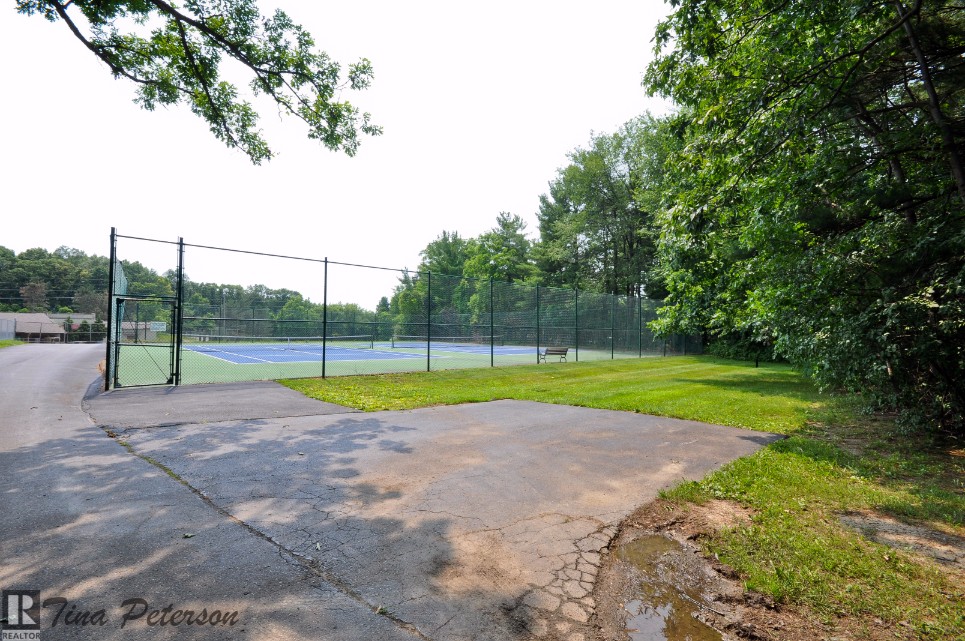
[
  {"x": 174, "y": 52},
  {"x": 597, "y": 224},
  {"x": 824, "y": 201}
]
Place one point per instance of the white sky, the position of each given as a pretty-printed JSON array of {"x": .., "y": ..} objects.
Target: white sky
[{"x": 479, "y": 103}]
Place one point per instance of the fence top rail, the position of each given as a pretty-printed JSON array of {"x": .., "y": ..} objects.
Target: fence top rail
[
  {"x": 126, "y": 297},
  {"x": 390, "y": 269},
  {"x": 150, "y": 240}
]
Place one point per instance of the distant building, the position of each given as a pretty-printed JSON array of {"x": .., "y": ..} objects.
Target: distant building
[
  {"x": 144, "y": 331},
  {"x": 75, "y": 319},
  {"x": 35, "y": 328}
]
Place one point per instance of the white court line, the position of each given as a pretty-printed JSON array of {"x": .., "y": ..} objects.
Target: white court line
[
  {"x": 397, "y": 355},
  {"x": 254, "y": 358}
]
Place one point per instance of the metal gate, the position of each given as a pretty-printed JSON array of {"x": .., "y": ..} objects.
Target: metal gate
[
  {"x": 144, "y": 351},
  {"x": 143, "y": 329}
]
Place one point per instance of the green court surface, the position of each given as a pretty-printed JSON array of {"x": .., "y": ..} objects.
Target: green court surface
[{"x": 150, "y": 363}]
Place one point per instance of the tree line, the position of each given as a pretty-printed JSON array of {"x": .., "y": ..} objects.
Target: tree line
[
  {"x": 69, "y": 281},
  {"x": 816, "y": 196},
  {"x": 805, "y": 200}
]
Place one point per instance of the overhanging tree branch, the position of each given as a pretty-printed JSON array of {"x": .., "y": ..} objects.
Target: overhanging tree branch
[{"x": 180, "y": 62}]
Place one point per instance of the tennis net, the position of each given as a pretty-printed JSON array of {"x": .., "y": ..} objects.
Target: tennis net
[
  {"x": 422, "y": 342},
  {"x": 209, "y": 343}
]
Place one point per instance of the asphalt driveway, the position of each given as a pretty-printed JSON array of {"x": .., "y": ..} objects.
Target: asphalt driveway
[{"x": 484, "y": 521}]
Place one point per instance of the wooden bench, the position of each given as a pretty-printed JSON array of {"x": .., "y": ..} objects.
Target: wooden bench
[{"x": 553, "y": 351}]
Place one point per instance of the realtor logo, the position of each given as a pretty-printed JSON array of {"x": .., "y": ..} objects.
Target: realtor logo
[{"x": 21, "y": 615}]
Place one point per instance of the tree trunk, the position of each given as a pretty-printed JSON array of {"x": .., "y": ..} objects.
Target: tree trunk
[{"x": 934, "y": 104}]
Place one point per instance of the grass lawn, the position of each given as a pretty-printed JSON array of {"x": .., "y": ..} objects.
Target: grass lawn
[
  {"x": 834, "y": 462},
  {"x": 9, "y": 343},
  {"x": 772, "y": 398}
]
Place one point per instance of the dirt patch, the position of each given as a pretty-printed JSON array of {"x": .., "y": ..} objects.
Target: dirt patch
[
  {"x": 479, "y": 562},
  {"x": 719, "y": 595},
  {"x": 947, "y": 549}
]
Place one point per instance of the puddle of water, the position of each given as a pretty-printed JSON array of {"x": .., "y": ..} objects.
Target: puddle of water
[{"x": 668, "y": 598}]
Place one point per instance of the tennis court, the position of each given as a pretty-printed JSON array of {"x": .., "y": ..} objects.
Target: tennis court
[
  {"x": 208, "y": 359},
  {"x": 206, "y": 332},
  {"x": 257, "y": 350}
]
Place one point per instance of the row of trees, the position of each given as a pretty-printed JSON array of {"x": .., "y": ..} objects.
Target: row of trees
[
  {"x": 69, "y": 281},
  {"x": 807, "y": 198},
  {"x": 233, "y": 310},
  {"x": 65, "y": 280},
  {"x": 85, "y": 332},
  {"x": 598, "y": 224},
  {"x": 816, "y": 196}
]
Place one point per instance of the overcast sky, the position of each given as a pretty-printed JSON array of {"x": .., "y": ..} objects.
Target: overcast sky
[{"x": 480, "y": 105}]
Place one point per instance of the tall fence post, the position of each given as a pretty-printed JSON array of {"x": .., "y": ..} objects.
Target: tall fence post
[
  {"x": 109, "y": 357},
  {"x": 324, "y": 317},
  {"x": 429, "y": 321},
  {"x": 640, "y": 326},
  {"x": 492, "y": 325},
  {"x": 537, "y": 324},
  {"x": 576, "y": 321},
  {"x": 179, "y": 312},
  {"x": 613, "y": 321},
  {"x": 118, "y": 335}
]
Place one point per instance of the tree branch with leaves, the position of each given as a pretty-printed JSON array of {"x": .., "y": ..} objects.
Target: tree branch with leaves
[
  {"x": 820, "y": 201},
  {"x": 174, "y": 54}
]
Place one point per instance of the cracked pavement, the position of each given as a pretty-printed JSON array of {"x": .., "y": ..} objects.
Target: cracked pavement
[{"x": 483, "y": 521}]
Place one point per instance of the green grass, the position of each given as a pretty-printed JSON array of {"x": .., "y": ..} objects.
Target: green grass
[
  {"x": 772, "y": 398},
  {"x": 796, "y": 549},
  {"x": 9, "y": 343},
  {"x": 834, "y": 460}
]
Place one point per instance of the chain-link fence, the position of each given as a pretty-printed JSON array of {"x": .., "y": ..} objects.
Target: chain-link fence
[
  {"x": 205, "y": 332},
  {"x": 7, "y": 329}
]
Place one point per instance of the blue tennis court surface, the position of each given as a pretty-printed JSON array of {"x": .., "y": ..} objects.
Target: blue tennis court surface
[{"x": 248, "y": 354}]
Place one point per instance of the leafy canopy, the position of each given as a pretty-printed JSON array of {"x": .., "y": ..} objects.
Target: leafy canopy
[
  {"x": 174, "y": 53},
  {"x": 819, "y": 196},
  {"x": 597, "y": 224}
]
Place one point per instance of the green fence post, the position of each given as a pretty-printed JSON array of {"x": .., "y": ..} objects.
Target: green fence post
[
  {"x": 179, "y": 312},
  {"x": 118, "y": 334},
  {"x": 429, "y": 321},
  {"x": 640, "y": 326},
  {"x": 109, "y": 357},
  {"x": 492, "y": 325},
  {"x": 576, "y": 321},
  {"x": 537, "y": 324},
  {"x": 613, "y": 320},
  {"x": 324, "y": 316}
]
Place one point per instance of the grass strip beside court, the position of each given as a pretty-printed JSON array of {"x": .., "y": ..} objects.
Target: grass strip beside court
[
  {"x": 772, "y": 398},
  {"x": 9, "y": 343},
  {"x": 836, "y": 461}
]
